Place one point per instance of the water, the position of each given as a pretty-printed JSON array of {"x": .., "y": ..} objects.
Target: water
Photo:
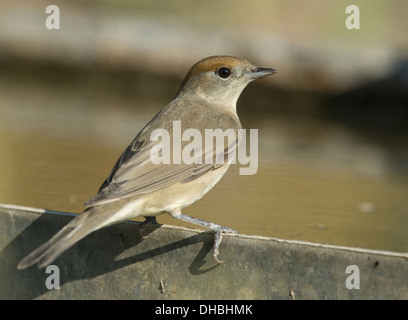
[{"x": 317, "y": 181}]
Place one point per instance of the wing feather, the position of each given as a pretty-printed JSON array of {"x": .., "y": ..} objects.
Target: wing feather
[{"x": 134, "y": 174}]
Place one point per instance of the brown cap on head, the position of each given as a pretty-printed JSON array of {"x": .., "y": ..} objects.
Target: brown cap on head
[{"x": 211, "y": 64}]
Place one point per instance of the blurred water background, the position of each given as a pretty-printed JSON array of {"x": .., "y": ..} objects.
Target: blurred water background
[{"x": 333, "y": 122}]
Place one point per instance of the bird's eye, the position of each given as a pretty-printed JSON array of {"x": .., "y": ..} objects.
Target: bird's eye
[{"x": 223, "y": 72}]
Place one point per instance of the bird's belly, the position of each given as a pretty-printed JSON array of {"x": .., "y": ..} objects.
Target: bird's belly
[{"x": 181, "y": 195}]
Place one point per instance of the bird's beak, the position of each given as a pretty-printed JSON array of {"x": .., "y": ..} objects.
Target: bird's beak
[{"x": 258, "y": 73}]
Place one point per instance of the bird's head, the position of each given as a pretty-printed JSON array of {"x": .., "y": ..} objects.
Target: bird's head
[{"x": 221, "y": 79}]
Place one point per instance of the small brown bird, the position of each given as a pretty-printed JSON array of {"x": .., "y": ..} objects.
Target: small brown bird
[{"x": 138, "y": 186}]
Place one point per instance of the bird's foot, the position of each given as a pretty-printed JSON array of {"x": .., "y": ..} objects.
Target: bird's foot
[{"x": 218, "y": 239}]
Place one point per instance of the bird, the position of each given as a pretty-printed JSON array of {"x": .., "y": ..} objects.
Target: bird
[{"x": 137, "y": 186}]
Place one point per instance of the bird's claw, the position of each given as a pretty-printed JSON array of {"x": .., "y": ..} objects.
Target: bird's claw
[
  {"x": 225, "y": 230},
  {"x": 148, "y": 221}
]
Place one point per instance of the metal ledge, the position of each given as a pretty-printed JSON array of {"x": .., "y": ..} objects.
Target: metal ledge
[{"x": 176, "y": 263}]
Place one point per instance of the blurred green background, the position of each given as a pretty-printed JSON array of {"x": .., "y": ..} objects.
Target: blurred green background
[{"x": 333, "y": 122}]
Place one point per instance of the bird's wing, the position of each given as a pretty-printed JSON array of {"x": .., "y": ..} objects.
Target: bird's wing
[{"x": 134, "y": 173}]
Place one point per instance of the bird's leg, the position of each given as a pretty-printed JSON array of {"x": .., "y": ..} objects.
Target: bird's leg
[
  {"x": 149, "y": 220},
  {"x": 209, "y": 225}
]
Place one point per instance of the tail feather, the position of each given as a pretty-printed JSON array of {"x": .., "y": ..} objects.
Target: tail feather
[{"x": 74, "y": 231}]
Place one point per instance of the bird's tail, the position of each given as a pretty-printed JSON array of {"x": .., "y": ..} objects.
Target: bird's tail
[{"x": 74, "y": 231}]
